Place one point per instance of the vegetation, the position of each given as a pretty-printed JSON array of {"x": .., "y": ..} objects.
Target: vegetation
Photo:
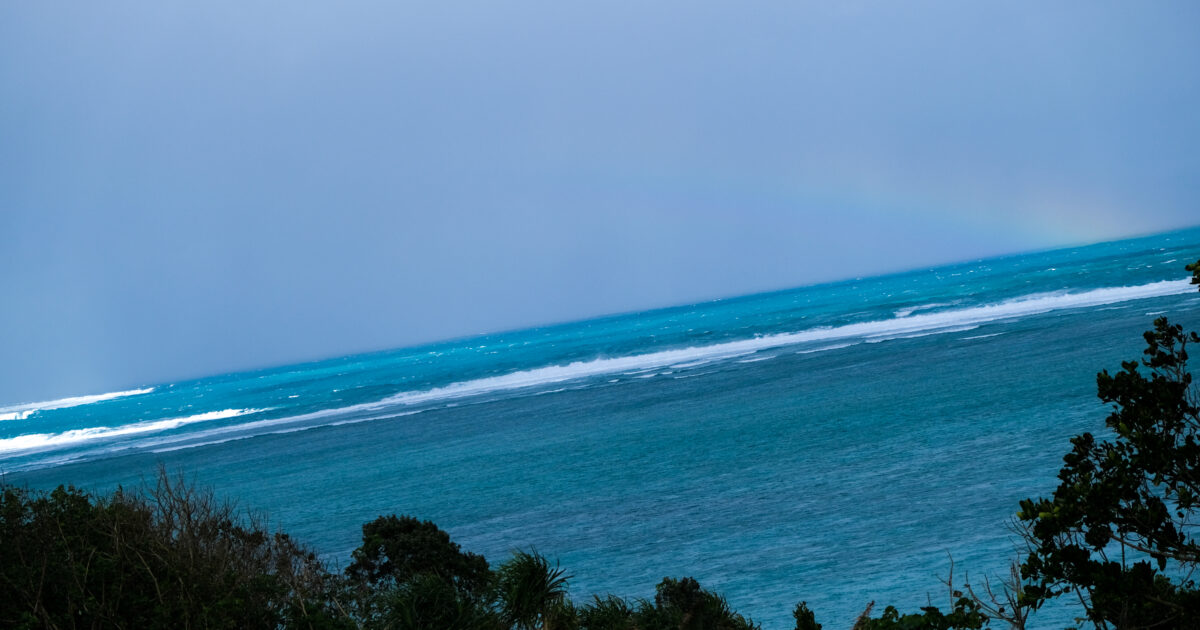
[
  {"x": 174, "y": 557},
  {"x": 1119, "y": 532},
  {"x": 171, "y": 557},
  {"x": 1118, "y": 535}
]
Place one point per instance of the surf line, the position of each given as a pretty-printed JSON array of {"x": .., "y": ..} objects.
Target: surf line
[
  {"x": 915, "y": 324},
  {"x": 40, "y": 441},
  {"x": 956, "y": 320},
  {"x": 24, "y": 410}
]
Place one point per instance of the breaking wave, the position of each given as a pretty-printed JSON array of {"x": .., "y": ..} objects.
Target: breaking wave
[
  {"x": 24, "y": 410},
  {"x": 911, "y": 324},
  {"x": 41, "y": 441}
]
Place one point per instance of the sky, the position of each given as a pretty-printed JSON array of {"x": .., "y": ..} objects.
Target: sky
[{"x": 193, "y": 188}]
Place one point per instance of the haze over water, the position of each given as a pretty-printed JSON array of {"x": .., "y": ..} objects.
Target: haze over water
[{"x": 829, "y": 443}]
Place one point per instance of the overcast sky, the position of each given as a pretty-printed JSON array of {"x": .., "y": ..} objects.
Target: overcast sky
[{"x": 193, "y": 188}]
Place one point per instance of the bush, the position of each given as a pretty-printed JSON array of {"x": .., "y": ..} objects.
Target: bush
[{"x": 171, "y": 557}]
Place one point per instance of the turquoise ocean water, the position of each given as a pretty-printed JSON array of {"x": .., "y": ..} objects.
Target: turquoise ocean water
[{"x": 830, "y": 443}]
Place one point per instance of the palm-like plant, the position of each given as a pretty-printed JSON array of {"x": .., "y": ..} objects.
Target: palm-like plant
[
  {"x": 529, "y": 588},
  {"x": 610, "y": 613}
]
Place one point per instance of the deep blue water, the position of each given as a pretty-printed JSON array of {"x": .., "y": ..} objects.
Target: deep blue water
[{"x": 830, "y": 443}]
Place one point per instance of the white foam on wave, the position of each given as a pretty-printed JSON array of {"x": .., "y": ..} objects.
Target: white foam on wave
[
  {"x": 956, "y": 320},
  {"x": 258, "y": 426},
  {"x": 905, "y": 312},
  {"x": 198, "y": 439},
  {"x": 74, "y": 437},
  {"x": 24, "y": 410},
  {"x": 982, "y": 336},
  {"x": 836, "y": 346},
  {"x": 921, "y": 323},
  {"x": 917, "y": 324},
  {"x": 691, "y": 364},
  {"x": 923, "y": 333},
  {"x": 691, "y": 375}
]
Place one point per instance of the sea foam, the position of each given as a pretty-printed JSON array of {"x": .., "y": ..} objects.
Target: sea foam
[
  {"x": 24, "y": 410},
  {"x": 910, "y": 325},
  {"x": 957, "y": 320},
  {"x": 74, "y": 437}
]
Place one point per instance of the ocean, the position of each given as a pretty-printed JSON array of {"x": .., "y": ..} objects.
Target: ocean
[{"x": 836, "y": 443}]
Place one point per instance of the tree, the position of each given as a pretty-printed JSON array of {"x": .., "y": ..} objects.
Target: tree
[
  {"x": 1119, "y": 532},
  {"x": 682, "y": 605},
  {"x": 409, "y": 575},
  {"x": 679, "y": 604},
  {"x": 805, "y": 618},
  {"x": 172, "y": 556},
  {"x": 397, "y": 549},
  {"x": 427, "y": 602},
  {"x": 608, "y": 613},
  {"x": 531, "y": 591},
  {"x": 963, "y": 615}
]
